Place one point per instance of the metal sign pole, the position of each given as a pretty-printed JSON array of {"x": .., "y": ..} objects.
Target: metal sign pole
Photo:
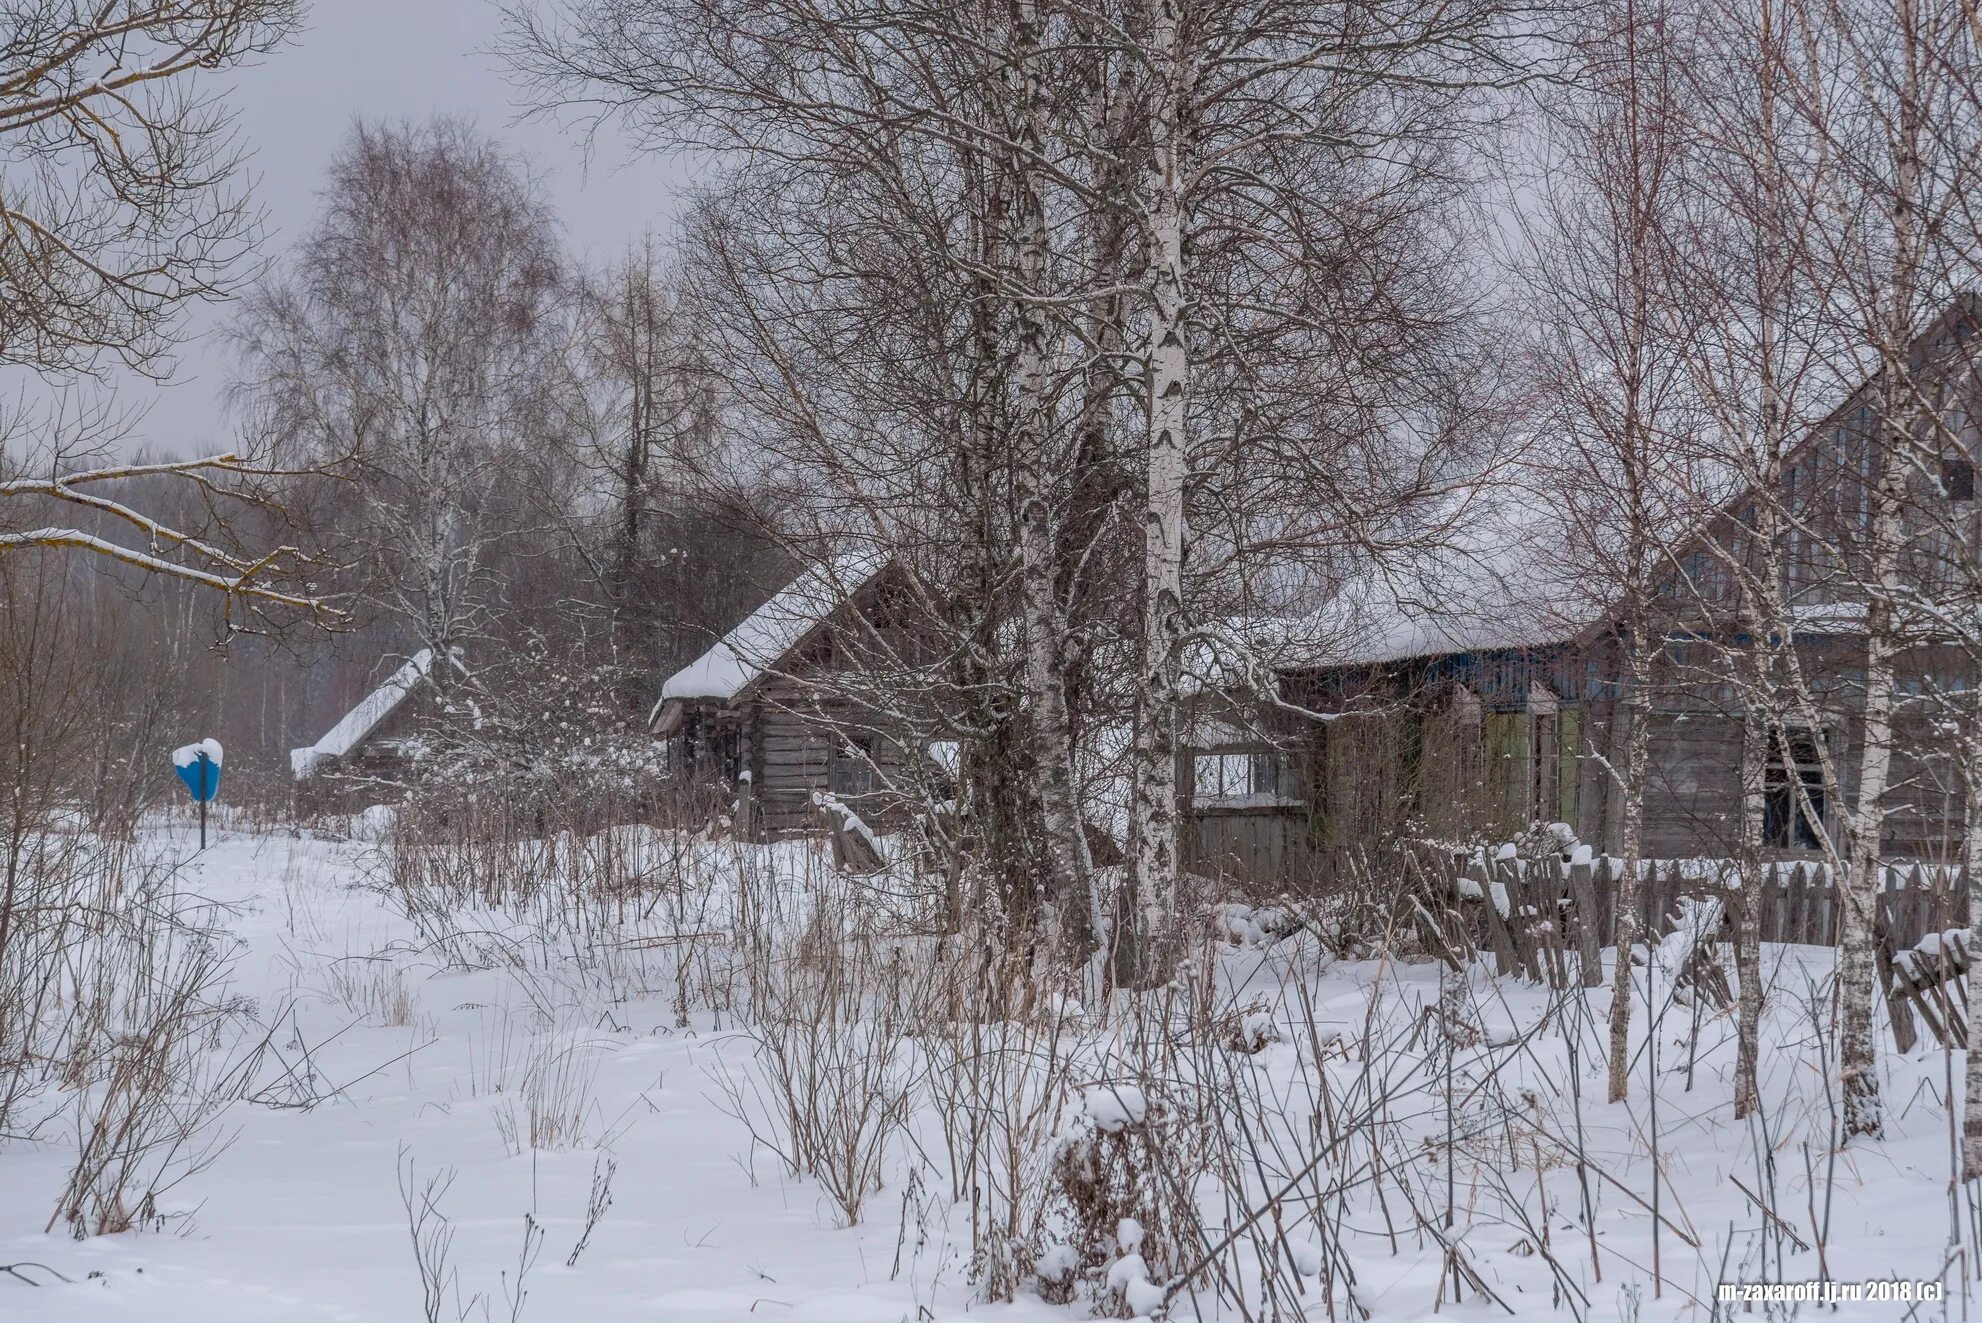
[{"x": 203, "y": 767}]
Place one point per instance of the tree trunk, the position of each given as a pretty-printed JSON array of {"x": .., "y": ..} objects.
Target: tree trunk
[
  {"x": 1859, "y": 925},
  {"x": 1637, "y": 738},
  {"x": 1971, "y": 862},
  {"x": 1755, "y": 736},
  {"x": 1167, "y": 360},
  {"x": 1045, "y": 625},
  {"x": 630, "y": 614}
]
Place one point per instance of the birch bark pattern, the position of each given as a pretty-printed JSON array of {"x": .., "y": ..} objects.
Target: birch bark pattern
[
  {"x": 1748, "y": 917},
  {"x": 1045, "y": 626},
  {"x": 1971, "y": 860},
  {"x": 1167, "y": 359},
  {"x": 1632, "y": 832},
  {"x": 1859, "y": 919}
]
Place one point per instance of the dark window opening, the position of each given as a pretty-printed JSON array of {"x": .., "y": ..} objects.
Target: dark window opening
[
  {"x": 853, "y": 772},
  {"x": 1958, "y": 478},
  {"x": 707, "y": 752},
  {"x": 1794, "y": 803}
]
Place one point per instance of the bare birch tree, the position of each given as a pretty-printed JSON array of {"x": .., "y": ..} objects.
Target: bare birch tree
[
  {"x": 1239, "y": 103},
  {"x": 422, "y": 334},
  {"x": 1615, "y": 389},
  {"x": 1743, "y": 284},
  {"x": 1880, "y": 87},
  {"x": 916, "y": 204}
]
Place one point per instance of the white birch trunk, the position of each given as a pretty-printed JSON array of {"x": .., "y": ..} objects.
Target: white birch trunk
[
  {"x": 1755, "y": 736},
  {"x": 1154, "y": 827},
  {"x": 1637, "y": 739},
  {"x": 1971, "y": 862},
  {"x": 1045, "y": 625},
  {"x": 1762, "y": 619},
  {"x": 1859, "y": 916}
]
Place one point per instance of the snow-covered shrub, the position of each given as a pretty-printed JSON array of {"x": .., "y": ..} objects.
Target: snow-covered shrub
[
  {"x": 1113, "y": 1212},
  {"x": 571, "y": 754},
  {"x": 1248, "y": 1028}
]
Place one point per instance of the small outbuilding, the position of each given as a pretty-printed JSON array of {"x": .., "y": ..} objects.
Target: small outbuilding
[
  {"x": 789, "y": 708},
  {"x": 373, "y": 747}
]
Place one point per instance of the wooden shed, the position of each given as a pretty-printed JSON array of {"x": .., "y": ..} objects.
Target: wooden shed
[
  {"x": 781, "y": 710},
  {"x": 369, "y": 754}
]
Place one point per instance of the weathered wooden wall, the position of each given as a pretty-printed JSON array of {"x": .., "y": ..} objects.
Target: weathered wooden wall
[
  {"x": 796, "y": 743},
  {"x": 1250, "y": 849}
]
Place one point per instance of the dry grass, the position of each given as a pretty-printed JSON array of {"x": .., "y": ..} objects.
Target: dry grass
[
  {"x": 113, "y": 993},
  {"x": 554, "y": 1105}
]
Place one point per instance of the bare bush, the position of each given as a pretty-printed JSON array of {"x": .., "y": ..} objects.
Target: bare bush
[
  {"x": 596, "y": 1204},
  {"x": 554, "y": 1107},
  {"x": 135, "y": 998},
  {"x": 432, "y": 1235},
  {"x": 835, "y": 1014}
]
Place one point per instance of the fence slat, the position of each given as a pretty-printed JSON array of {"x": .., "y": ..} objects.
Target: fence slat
[{"x": 1589, "y": 933}]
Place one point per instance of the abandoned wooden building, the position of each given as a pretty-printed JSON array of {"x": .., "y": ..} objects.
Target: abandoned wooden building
[
  {"x": 787, "y": 707},
  {"x": 1469, "y": 694},
  {"x": 371, "y": 752},
  {"x": 1486, "y": 699}
]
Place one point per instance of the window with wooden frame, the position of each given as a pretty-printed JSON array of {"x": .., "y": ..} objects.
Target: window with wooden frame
[
  {"x": 707, "y": 751},
  {"x": 1241, "y": 775},
  {"x": 852, "y": 772}
]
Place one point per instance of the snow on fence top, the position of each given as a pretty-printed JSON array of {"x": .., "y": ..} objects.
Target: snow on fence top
[
  {"x": 353, "y": 726},
  {"x": 1723, "y": 871},
  {"x": 770, "y": 633}
]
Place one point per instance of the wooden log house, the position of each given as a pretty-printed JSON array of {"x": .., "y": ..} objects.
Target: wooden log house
[
  {"x": 371, "y": 752},
  {"x": 761, "y": 716},
  {"x": 1480, "y": 698}
]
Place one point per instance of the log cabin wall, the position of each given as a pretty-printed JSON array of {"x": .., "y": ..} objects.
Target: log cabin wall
[
  {"x": 1485, "y": 747},
  {"x": 803, "y": 742},
  {"x": 807, "y": 729}
]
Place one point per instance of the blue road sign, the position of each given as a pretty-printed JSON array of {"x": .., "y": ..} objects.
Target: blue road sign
[{"x": 198, "y": 766}]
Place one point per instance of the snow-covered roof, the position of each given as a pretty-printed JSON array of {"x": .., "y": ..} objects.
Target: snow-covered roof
[
  {"x": 1492, "y": 574},
  {"x": 769, "y": 635},
  {"x": 352, "y": 728}
]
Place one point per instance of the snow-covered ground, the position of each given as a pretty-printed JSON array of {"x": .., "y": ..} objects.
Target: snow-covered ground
[
  {"x": 302, "y": 1216},
  {"x": 388, "y": 1068}
]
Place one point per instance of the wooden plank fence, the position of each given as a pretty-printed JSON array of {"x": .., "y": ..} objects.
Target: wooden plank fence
[
  {"x": 1799, "y": 899},
  {"x": 1548, "y": 920}
]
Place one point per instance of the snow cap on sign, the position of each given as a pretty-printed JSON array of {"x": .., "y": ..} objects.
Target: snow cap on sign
[{"x": 188, "y": 754}]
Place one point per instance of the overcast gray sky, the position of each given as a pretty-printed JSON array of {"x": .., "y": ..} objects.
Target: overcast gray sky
[{"x": 390, "y": 59}]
